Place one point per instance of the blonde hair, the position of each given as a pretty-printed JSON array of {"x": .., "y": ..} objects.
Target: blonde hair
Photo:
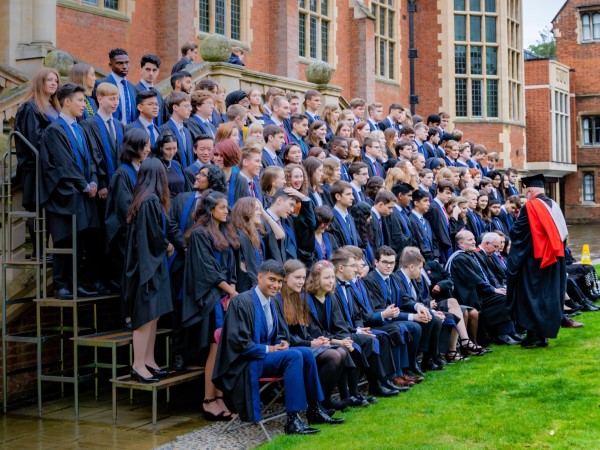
[{"x": 104, "y": 89}]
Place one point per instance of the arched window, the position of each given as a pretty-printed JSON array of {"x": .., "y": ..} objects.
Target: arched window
[{"x": 589, "y": 194}]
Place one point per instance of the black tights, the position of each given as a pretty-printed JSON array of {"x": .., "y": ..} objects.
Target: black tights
[{"x": 330, "y": 365}]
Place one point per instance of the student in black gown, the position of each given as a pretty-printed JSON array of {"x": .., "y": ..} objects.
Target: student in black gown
[
  {"x": 40, "y": 109},
  {"x": 331, "y": 359},
  {"x": 69, "y": 187},
  {"x": 135, "y": 149},
  {"x": 210, "y": 251},
  {"x": 247, "y": 216},
  {"x": 166, "y": 150},
  {"x": 151, "y": 237},
  {"x": 323, "y": 240}
]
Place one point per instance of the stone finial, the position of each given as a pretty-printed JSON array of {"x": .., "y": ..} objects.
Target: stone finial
[
  {"x": 61, "y": 61},
  {"x": 319, "y": 72},
  {"x": 215, "y": 48}
]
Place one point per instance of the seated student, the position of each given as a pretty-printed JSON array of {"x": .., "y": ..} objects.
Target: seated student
[
  {"x": 421, "y": 228},
  {"x": 150, "y": 68},
  {"x": 181, "y": 82},
  {"x": 323, "y": 240},
  {"x": 292, "y": 306},
  {"x": 385, "y": 296},
  {"x": 274, "y": 141},
  {"x": 359, "y": 174},
  {"x": 165, "y": 150},
  {"x": 343, "y": 228},
  {"x": 372, "y": 153},
  {"x": 398, "y": 223},
  {"x": 298, "y": 240},
  {"x": 486, "y": 251},
  {"x": 179, "y": 107},
  {"x": 105, "y": 136},
  {"x": 119, "y": 65},
  {"x": 507, "y": 212},
  {"x": 203, "y": 150},
  {"x": 68, "y": 188},
  {"x": 496, "y": 223},
  {"x": 374, "y": 356},
  {"x": 312, "y": 104},
  {"x": 199, "y": 122},
  {"x": 440, "y": 224},
  {"x": 457, "y": 213},
  {"x": 411, "y": 263},
  {"x": 299, "y": 123},
  {"x": 147, "y": 105},
  {"x": 247, "y": 216},
  {"x": 245, "y": 183},
  {"x": 472, "y": 287},
  {"x": 189, "y": 52},
  {"x": 475, "y": 223},
  {"x": 271, "y": 179},
  {"x": 135, "y": 149},
  {"x": 254, "y": 343}
]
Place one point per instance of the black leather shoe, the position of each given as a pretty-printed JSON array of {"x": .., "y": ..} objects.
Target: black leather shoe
[
  {"x": 415, "y": 371},
  {"x": 101, "y": 288},
  {"x": 137, "y": 377},
  {"x": 505, "y": 339},
  {"x": 572, "y": 304},
  {"x": 588, "y": 305},
  {"x": 334, "y": 405},
  {"x": 516, "y": 336},
  {"x": 430, "y": 365},
  {"x": 354, "y": 402},
  {"x": 294, "y": 425},
  {"x": 157, "y": 373},
  {"x": 441, "y": 362},
  {"x": 534, "y": 340},
  {"x": 317, "y": 415},
  {"x": 84, "y": 293},
  {"x": 372, "y": 400},
  {"x": 381, "y": 391},
  {"x": 64, "y": 294},
  {"x": 178, "y": 363}
]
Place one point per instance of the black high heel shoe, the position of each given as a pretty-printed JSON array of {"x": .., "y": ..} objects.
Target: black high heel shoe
[
  {"x": 221, "y": 417},
  {"x": 137, "y": 377},
  {"x": 469, "y": 347},
  {"x": 157, "y": 373}
]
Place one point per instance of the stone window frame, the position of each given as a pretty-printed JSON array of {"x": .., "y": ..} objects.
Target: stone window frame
[
  {"x": 588, "y": 187},
  {"x": 591, "y": 14},
  {"x": 386, "y": 37},
  {"x": 228, "y": 9},
  {"x": 122, "y": 12},
  {"x": 483, "y": 86},
  {"x": 324, "y": 20},
  {"x": 590, "y": 127}
]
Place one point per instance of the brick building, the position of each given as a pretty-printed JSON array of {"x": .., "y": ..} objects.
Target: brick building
[
  {"x": 577, "y": 31},
  {"x": 466, "y": 54}
]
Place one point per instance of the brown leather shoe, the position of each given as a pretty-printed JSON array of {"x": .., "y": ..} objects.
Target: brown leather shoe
[
  {"x": 400, "y": 381},
  {"x": 414, "y": 379},
  {"x": 569, "y": 323}
]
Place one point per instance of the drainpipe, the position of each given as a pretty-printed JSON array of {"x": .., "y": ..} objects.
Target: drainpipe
[{"x": 412, "y": 53}]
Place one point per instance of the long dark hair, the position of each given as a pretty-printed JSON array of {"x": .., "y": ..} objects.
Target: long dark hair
[
  {"x": 360, "y": 212},
  {"x": 224, "y": 235},
  {"x": 295, "y": 307},
  {"x": 152, "y": 179},
  {"x": 164, "y": 138},
  {"x": 134, "y": 142}
]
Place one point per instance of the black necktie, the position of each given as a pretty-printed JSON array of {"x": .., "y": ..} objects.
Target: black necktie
[{"x": 388, "y": 283}]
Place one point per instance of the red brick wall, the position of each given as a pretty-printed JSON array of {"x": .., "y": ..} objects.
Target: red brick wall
[{"x": 538, "y": 117}]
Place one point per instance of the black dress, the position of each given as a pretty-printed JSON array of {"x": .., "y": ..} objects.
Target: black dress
[{"x": 145, "y": 284}]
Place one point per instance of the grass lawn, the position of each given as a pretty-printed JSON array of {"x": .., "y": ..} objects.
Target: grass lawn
[{"x": 510, "y": 398}]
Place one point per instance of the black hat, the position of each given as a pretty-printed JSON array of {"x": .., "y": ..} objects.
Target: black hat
[
  {"x": 534, "y": 181},
  {"x": 234, "y": 98}
]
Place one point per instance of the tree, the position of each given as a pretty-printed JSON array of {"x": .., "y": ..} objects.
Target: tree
[{"x": 546, "y": 45}]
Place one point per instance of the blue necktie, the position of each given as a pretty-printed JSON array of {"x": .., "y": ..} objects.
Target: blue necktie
[
  {"x": 127, "y": 101},
  {"x": 79, "y": 151},
  {"x": 151, "y": 133},
  {"x": 269, "y": 317}
]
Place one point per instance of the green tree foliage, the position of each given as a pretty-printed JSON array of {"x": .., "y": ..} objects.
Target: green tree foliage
[{"x": 545, "y": 46}]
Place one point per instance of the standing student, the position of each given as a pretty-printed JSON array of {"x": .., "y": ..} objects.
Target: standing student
[
  {"x": 274, "y": 141},
  {"x": 375, "y": 112},
  {"x": 165, "y": 150},
  {"x": 383, "y": 208},
  {"x": 83, "y": 74},
  {"x": 189, "y": 52},
  {"x": 119, "y": 66},
  {"x": 150, "y": 239},
  {"x": 40, "y": 109},
  {"x": 105, "y": 136},
  {"x": 312, "y": 104},
  {"x": 204, "y": 152},
  {"x": 343, "y": 228},
  {"x": 299, "y": 124},
  {"x": 180, "y": 108},
  {"x": 338, "y": 150},
  {"x": 150, "y": 68},
  {"x": 203, "y": 106},
  {"x": 135, "y": 149},
  {"x": 246, "y": 183},
  {"x": 68, "y": 187},
  {"x": 359, "y": 173},
  {"x": 371, "y": 158},
  {"x": 394, "y": 119},
  {"x": 421, "y": 228},
  {"x": 210, "y": 250},
  {"x": 271, "y": 93},
  {"x": 148, "y": 106},
  {"x": 439, "y": 221},
  {"x": 180, "y": 82}
]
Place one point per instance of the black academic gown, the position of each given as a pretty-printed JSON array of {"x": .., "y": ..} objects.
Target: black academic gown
[
  {"x": 441, "y": 229},
  {"x": 63, "y": 184},
  {"x": 145, "y": 285},
  {"x": 425, "y": 238},
  {"x": 251, "y": 257},
  {"x": 201, "y": 294},
  {"x": 535, "y": 296},
  {"x": 31, "y": 123},
  {"x": 399, "y": 232},
  {"x": 241, "y": 352}
]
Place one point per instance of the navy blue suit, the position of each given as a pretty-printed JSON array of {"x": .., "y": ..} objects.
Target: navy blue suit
[{"x": 185, "y": 153}]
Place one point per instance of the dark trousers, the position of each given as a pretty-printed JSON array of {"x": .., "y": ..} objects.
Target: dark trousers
[
  {"x": 413, "y": 342},
  {"x": 431, "y": 336},
  {"x": 62, "y": 265},
  {"x": 300, "y": 377}
]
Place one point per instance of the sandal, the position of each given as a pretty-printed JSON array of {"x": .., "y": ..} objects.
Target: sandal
[
  {"x": 469, "y": 347},
  {"x": 221, "y": 417},
  {"x": 226, "y": 414},
  {"x": 454, "y": 355}
]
